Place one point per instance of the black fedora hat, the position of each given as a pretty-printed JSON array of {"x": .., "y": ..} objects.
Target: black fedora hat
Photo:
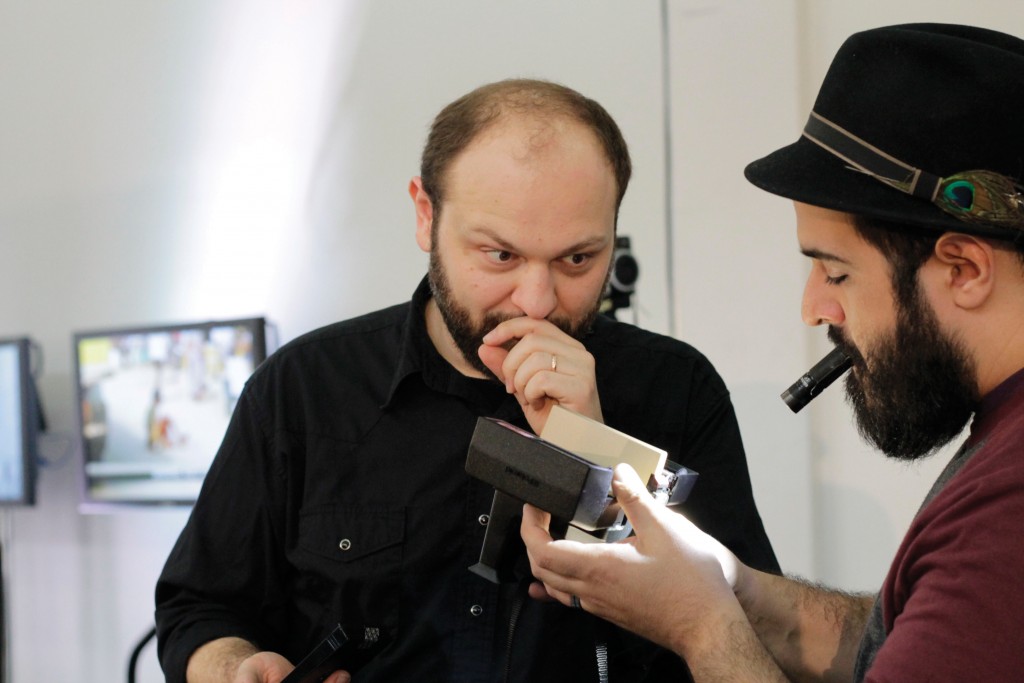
[{"x": 918, "y": 124}]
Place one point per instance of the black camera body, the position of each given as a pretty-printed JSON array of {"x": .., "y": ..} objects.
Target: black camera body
[
  {"x": 622, "y": 277},
  {"x": 524, "y": 468}
]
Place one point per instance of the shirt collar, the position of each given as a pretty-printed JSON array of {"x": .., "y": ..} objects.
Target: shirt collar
[
  {"x": 418, "y": 355},
  {"x": 996, "y": 404},
  {"x": 415, "y": 340}
]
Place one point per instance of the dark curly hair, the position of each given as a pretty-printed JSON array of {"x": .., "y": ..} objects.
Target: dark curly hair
[{"x": 907, "y": 248}]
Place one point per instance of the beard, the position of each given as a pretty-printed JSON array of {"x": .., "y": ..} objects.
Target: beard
[
  {"x": 915, "y": 391},
  {"x": 469, "y": 335}
]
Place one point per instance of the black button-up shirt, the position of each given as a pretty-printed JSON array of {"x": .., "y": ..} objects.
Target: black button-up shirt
[{"x": 339, "y": 494}]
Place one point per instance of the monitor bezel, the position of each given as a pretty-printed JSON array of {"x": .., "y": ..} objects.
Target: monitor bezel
[
  {"x": 29, "y": 416},
  {"x": 87, "y": 503}
]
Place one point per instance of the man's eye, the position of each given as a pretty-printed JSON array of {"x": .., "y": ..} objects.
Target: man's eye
[
  {"x": 838, "y": 279},
  {"x": 578, "y": 259},
  {"x": 499, "y": 256}
]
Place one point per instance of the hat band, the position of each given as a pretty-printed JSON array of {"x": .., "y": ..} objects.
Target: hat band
[
  {"x": 981, "y": 198},
  {"x": 869, "y": 159}
]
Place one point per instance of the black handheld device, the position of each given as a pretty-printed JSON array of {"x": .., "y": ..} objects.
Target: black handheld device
[
  {"x": 816, "y": 380},
  {"x": 524, "y": 468},
  {"x": 348, "y": 650}
]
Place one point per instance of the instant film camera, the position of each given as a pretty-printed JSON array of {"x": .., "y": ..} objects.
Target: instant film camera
[{"x": 576, "y": 490}]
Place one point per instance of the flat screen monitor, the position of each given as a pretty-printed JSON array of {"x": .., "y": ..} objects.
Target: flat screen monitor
[
  {"x": 19, "y": 423},
  {"x": 154, "y": 403}
]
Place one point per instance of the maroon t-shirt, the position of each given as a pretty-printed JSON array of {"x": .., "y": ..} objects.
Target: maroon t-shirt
[{"x": 952, "y": 605}]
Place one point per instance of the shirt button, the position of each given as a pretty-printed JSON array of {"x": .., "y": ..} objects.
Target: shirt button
[
  {"x": 345, "y": 544},
  {"x": 476, "y": 610},
  {"x": 483, "y": 519}
]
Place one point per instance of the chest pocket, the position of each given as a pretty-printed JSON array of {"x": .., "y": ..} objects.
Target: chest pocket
[
  {"x": 349, "y": 564},
  {"x": 369, "y": 536}
]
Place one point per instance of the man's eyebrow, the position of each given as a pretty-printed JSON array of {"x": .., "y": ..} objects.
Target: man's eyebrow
[
  {"x": 583, "y": 246},
  {"x": 823, "y": 256},
  {"x": 494, "y": 237},
  {"x": 580, "y": 247}
]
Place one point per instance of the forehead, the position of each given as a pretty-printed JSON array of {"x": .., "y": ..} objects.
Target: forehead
[
  {"x": 532, "y": 174},
  {"x": 831, "y": 235},
  {"x": 533, "y": 141}
]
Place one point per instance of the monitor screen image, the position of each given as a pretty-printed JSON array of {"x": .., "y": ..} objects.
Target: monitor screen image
[
  {"x": 19, "y": 424},
  {"x": 154, "y": 404}
]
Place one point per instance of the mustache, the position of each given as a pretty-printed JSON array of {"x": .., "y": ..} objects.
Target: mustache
[
  {"x": 577, "y": 329},
  {"x": 836, "y": 336}
]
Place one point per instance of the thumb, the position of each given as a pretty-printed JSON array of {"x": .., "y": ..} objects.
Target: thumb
[{"x": 633, "y": 496}]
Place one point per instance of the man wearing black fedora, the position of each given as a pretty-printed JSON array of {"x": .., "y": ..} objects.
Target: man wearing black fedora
[{"x": 907, "y": 183}]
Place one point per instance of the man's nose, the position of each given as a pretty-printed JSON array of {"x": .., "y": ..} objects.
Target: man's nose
[
  {"x": 535, "y": 293},
  {"x": 819, "y": 306}
]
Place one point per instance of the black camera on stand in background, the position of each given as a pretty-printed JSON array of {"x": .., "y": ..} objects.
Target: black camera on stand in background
[{"x": 622, "y": 282}]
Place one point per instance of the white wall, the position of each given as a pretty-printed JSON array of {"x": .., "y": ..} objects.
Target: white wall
[
  {"x": 219, "y": 158},
  {"x": 737, "y": 275}
]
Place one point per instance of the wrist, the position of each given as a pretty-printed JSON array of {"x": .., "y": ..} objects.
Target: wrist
[
  {"x": 747, "y": 586},
  {"x": 709, "y": 640}
]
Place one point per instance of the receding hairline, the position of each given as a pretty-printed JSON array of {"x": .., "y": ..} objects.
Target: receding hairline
[
  {"x": 523, "y": 95},
  {"x": 523, "y": 101},
  {"x": 484, "y": 109}
]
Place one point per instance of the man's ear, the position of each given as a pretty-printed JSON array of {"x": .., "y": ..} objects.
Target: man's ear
[
  {"x": 424, "y": 213},
  {"x": 968, "y": 264}
]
